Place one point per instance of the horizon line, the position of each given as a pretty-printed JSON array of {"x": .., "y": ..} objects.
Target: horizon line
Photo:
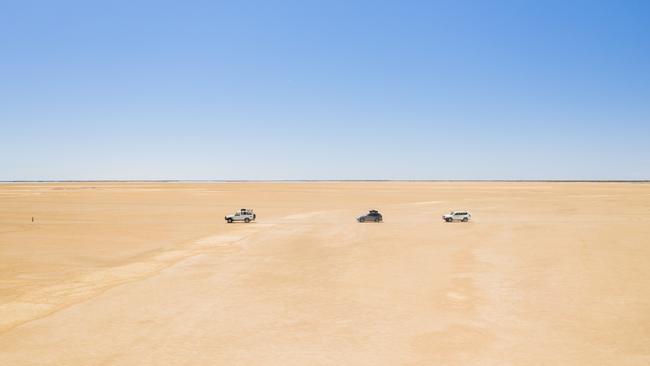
[{"x": 326, "y": 180}]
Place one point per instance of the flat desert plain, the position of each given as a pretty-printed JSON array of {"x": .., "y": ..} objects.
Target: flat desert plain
[{"x": 150, "y": 274}]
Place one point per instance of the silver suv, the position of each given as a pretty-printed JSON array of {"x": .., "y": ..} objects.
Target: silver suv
[
  {"x": 245, "y": 215},
  {"x": 463, "y": 216}
]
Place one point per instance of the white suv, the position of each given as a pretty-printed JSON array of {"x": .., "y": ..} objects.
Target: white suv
[
  {"x": 245, "y": 215},
  {"x": 463, "y": 216}
]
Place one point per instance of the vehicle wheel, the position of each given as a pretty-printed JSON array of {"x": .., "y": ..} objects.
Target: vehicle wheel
[
  {"x": 229, "y": 221},
  {"x": 465, "y": 219},
  {"x": 448, "y": 220},
  {"x": 377, "y": 220},
  {"x": 362, "y": 219},
  {"x": 247, "y": 220}
]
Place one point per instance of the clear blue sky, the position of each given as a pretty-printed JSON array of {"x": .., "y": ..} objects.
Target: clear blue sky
[{"x": 324, "y": 90}]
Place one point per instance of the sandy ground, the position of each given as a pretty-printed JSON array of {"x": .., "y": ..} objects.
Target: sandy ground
[{"x": 150, "y": 274}]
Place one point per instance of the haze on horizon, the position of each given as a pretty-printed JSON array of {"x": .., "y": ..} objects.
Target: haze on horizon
[{"x": 270, "y": 90}]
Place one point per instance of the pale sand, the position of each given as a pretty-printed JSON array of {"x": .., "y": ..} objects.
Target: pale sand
[{"x": 150, "y": 274}]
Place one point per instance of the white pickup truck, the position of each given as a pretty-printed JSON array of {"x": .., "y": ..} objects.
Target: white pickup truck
[{"x": 245, "y": 215}]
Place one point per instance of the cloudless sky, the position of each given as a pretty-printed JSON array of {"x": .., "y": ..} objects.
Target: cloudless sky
[{"x": 324, "y": 90}]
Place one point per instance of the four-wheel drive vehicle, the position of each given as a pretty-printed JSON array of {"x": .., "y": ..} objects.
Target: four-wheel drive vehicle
[
  {"x": 463, "y": 216},
  {"x": 245, "y": 215},
  {"x": 372, "y": 215}
]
